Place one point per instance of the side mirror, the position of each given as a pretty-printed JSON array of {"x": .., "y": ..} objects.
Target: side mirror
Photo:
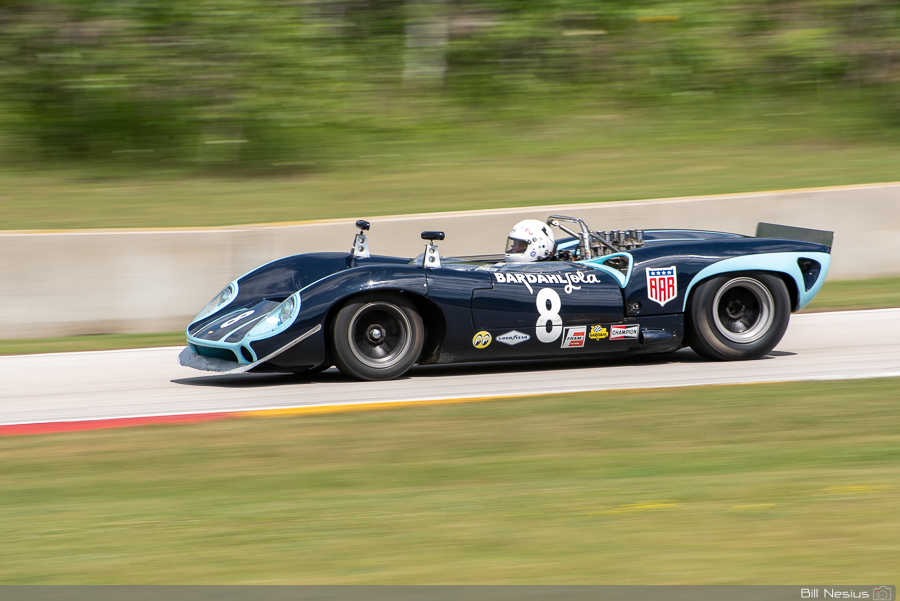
[
  {"x": 432, "y": 258},
  {"x": 360, "y": 248}
]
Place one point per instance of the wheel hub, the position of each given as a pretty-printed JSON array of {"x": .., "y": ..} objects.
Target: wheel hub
[
  {"x": 378, "y": 334},
  {"x": 743, "y": 310},
  {"x": 735, "y": 309},
  {"x": 375, "y": 334}
]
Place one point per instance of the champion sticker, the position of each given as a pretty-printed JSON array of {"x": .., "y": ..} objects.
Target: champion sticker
[
  {"x": 662, "y": 284},
  {"x": 574, "y": 337},
  {"x": 481, "y": 339},
  {"x": 513, "y": 338},
  {"x": 598, "y": 333},
  {"x": 624, "y": 332}
]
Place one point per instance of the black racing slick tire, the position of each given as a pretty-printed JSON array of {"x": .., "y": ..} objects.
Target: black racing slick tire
[
  {"x": 738, "y": 316},
  {"x": 376, "y": 337}
]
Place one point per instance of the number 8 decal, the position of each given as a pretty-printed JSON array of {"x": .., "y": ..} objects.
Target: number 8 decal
[{"x": 549, "y": 323}]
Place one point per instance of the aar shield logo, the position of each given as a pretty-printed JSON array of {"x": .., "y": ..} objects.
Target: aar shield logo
[{"x": 662, "y": 284}]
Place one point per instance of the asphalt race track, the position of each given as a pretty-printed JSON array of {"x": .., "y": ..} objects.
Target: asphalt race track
[{"x": 149, "y": 382}]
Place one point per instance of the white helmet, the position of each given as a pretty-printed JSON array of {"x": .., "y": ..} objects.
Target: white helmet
[{"x": 529, "y": 240}]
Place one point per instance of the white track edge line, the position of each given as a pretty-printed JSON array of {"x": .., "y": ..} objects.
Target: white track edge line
[
  {"x": 828, "y": 377},
  {"x": 113, "y": 350}
]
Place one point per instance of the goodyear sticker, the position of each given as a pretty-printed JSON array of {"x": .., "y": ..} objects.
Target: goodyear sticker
[
  {"x": 598, "y": 333},
  {"x": 513, "y": 337},
  {"x": 482, "y": 339}
]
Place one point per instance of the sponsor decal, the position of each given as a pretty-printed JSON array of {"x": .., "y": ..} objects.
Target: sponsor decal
[
  {"x": 513, "y": 338},
  {"x": 574, "y": 337},
  {"x": 598, "y": 333},
  {"x": 482, "y": 339},
  {"x": 662, "y": 284},
  {"x": 571, "y": 279},
  {"x": 549, "y": 322},
  {"x": 623, "y": 332},
  {"x": 234, "y": 320}
]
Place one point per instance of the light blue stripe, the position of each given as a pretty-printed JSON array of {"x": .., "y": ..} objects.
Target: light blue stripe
[{"x": 621, "y": 279}]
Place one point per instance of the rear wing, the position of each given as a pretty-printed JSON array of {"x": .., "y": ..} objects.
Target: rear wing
[{"x": 787, "y": 232}]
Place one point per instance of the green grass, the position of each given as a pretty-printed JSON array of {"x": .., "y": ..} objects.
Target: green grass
[
  {"x": 763, "y": 484},
  {"x": 876, "y": 293},
  {"x": 603, "y": 155},
  {"x": 98, "y": 342},
  {"x": 842, "y": 295}
]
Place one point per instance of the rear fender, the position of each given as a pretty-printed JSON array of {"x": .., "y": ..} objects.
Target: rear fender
[{"x": 785, "y": 264}]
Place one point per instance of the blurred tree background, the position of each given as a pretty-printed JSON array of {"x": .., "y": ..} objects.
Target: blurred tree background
[{"x": 254, "y": 83}]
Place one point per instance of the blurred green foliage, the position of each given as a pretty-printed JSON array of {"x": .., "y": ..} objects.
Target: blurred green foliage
[{"x": 252, "y": 82}]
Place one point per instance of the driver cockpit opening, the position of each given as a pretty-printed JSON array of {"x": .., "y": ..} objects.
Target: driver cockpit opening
[
  {"x": 590, "y": 244},
  {"x": 532, "y": 240}
]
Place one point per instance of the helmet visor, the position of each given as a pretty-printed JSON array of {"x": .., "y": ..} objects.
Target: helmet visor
[{"x": 515, "y": 247}]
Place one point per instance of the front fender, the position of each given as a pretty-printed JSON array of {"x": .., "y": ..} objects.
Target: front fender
[{"x": 319, "y": 297}]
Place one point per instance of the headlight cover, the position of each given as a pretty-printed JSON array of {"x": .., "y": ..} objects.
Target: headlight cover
[
  {"x": 228, "y": 294},
  {"x": 278, "y": 319}
]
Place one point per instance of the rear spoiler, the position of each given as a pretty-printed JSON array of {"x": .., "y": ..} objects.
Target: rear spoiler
[{"x": 787, "y": 232}]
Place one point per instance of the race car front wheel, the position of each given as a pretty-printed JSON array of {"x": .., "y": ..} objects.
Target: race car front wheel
[
  {"x": 738, "y": 316},
  {"x": 376, "y": 337}
]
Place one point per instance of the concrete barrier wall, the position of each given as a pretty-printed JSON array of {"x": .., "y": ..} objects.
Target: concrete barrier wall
[{"x": 86, "y": 282}]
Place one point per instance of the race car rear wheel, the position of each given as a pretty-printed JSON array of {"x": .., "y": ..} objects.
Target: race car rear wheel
[
  {"x": 738, "y": 316},
  {"x": 377, "y": 337}
]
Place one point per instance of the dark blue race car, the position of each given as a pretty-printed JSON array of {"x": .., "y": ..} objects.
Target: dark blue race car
[{"x": 592, "y": 293}]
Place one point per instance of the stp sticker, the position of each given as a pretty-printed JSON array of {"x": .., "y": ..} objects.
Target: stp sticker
[
  {"x": 623, "y": 332},
  {"x": 662, "y": 284},
  {"x": 481, "y": 339},
  {"x": 574, "y": 337},
  {"x": 513, "y": 338},
  {"x": 598, "y": 333}
]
